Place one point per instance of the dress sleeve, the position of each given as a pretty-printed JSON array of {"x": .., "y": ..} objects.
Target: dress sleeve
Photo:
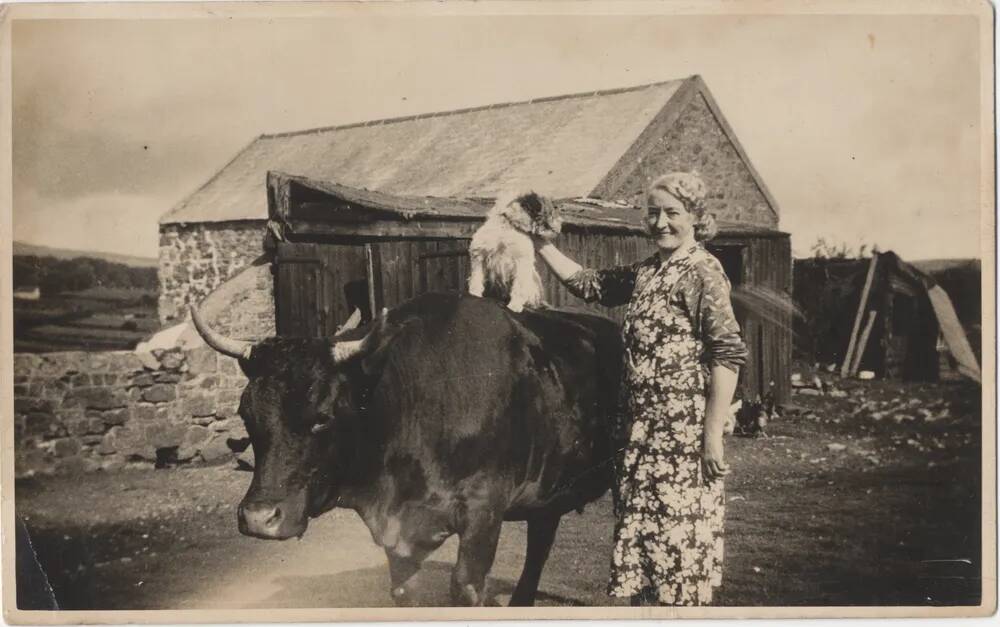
[
  {"x": 709, "y": 302},
  {"x": 610, "y": 287}
]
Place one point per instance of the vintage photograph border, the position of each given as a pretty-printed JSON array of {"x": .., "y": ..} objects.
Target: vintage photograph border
[{"x": 981, "y": 10}]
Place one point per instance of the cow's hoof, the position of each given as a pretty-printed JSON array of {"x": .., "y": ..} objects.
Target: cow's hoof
[
  {"x": 516, "y": 308},
  {"x": 403, "y": 597},
  {"x": 499, "y": 600},
  {"x": 466, "y": 596}
]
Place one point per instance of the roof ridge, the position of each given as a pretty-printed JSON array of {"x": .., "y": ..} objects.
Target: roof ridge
[{"x": 502, "y": 105}]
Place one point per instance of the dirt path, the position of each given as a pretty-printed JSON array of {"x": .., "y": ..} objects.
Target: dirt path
[
  {"x": 336, "y": 564},
  {"x": 846, "y": 503},
  {"x": 173, "y": 543}
]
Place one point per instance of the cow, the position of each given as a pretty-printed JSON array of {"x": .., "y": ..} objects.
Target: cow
[{"x": 448, "y": 414}]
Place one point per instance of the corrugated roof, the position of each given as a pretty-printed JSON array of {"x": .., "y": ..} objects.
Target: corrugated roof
[
  {"x": 408, "y": 208},
  {"x": 585, "y": 213},
  {"x": 560, "y": 146}
]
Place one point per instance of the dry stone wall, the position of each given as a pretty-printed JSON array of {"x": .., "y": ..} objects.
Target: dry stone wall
[
  {"x": 78, "y": 412},
  {"x": 195, "y": 259}
]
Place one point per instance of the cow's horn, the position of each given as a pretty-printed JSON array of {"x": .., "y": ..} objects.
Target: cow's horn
[
  {"x": 348, "y": 349},
  {"x": 221, "y": 343},
  {"x": 350, "y": 323}
]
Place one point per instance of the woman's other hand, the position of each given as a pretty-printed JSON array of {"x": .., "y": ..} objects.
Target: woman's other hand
[
  {"x": 712, "y": 459},
  {"x": 720, "y": 395}
]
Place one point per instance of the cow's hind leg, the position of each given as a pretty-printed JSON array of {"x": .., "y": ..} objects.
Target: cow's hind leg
[
  {"x": 477, "y": 547},
  {"x": 541, "y": 535}
]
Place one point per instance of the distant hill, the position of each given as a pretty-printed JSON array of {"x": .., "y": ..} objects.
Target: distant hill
[
  {"x": 931, "y": 266},
  {"x": 74, "y": 271},
  {"x": 22, "y": 249}
]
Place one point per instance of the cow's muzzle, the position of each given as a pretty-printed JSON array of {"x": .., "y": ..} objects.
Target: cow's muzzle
[{"x": 271, "y": 521}]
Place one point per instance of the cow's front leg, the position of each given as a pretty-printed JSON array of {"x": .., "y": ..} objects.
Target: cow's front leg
[
  {"x": 403, "y": 574},
  {"x": 477, "y": 546}
]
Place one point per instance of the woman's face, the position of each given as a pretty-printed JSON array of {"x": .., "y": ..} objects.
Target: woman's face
[{"x": 670, "y": 224}]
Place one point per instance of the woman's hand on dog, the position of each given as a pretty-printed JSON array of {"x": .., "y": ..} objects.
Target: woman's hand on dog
[{"x": 541, "y": 239}]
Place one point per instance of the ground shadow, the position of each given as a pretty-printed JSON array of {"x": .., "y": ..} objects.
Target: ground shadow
[{"x": 369, "y": 587}]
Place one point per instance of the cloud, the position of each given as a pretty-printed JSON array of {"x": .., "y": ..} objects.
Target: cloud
[{"x": 869, "y": 129}]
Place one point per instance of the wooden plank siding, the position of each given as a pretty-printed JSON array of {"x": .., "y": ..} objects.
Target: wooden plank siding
[
  {"x": 311, "y": 287},
  {"x": 768, "y": 264},
  {"x": 310, "y": 281}
]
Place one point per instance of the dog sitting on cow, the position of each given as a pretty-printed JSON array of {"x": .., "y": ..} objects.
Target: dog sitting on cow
[{"x": 502, "y": 253}]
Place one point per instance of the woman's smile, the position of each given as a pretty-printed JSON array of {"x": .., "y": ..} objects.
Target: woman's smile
[{"x": 670, "y": 224}]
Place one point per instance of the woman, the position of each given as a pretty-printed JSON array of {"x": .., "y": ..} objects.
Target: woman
[{"x": 683, "y": 354}]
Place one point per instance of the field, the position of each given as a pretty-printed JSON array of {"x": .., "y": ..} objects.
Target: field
[
  {"x": 868, "y": 496},
  {"x": 92, "y": 320}
]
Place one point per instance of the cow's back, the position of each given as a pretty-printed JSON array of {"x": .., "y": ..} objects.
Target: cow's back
[{"x": 474, "y": 397}]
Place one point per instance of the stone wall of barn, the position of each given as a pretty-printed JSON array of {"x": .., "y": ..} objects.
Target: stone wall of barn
[
  {"x": 697, "y": 142},
  {"x": 79, "y": 411},
  {"x": 195, "y": 259}
]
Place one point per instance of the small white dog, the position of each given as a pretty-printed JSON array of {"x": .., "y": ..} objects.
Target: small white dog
[{"x": 502, "y": 254}]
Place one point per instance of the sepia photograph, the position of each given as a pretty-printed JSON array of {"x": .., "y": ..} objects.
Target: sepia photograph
[{"x": 490, "y": 310}]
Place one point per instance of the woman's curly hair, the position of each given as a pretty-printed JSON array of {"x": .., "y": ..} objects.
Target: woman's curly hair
[{"x": 688, "y": 188}]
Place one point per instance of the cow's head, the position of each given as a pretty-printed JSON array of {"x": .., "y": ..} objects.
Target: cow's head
[{"x": 302, "y": 407}]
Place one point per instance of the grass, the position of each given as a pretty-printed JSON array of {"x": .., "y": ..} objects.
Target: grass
[{"x": 94, "y": 319}]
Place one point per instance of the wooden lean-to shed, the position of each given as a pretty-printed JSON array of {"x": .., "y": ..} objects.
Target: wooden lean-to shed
[
  {"x": 367, "y": 215},
  {"x": 910, "y": 318}
]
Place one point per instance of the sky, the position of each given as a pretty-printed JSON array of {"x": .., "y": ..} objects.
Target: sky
[{"x": 865, "y": 128}]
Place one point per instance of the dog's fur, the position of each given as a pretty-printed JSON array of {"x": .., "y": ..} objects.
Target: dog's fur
[{"x": 502, "y": 254}]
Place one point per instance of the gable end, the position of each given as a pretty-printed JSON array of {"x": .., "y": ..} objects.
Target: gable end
[{"x": 688, "y": 134}]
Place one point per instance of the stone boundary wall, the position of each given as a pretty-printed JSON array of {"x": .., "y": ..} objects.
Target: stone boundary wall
[{"x": 79, "y": 411}]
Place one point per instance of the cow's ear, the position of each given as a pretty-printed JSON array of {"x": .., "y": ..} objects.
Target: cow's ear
[{"x": 246, "y": 364}]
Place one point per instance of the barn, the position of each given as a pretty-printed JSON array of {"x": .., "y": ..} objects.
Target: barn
[{"x": 369, "y": 214}]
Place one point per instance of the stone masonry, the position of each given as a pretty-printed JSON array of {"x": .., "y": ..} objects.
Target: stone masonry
[
  {"x": 195, "y": 259},
  {"x": 78, "y": 412},
  {"x": 697, "y": 142}
]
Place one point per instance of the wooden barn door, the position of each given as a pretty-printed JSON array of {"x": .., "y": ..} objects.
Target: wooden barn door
[
  {"x": 733, "y": 259},
  {"x": 444, "y": 266},
  {"x": 317, "y": 286},
  {"x": 407, "y": 268},
  {"x": 768, "y": 333}
]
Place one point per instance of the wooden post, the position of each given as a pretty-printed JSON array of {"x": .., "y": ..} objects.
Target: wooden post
[
  {"x": 845, "y": 367},
  {"x": 370, "y": 271},
  {"x": 863, "y": 342}
]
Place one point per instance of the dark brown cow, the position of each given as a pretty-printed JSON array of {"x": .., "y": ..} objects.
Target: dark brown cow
[{"x": 447, "y": 415}]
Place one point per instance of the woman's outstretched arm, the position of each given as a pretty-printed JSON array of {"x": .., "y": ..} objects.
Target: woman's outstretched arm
[
  {"x": 610, "y": 287},
  {"x": 560, "y": 264}
]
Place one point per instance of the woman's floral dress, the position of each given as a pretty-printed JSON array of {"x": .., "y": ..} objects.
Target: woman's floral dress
[{"x": 679, "y": 323}]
